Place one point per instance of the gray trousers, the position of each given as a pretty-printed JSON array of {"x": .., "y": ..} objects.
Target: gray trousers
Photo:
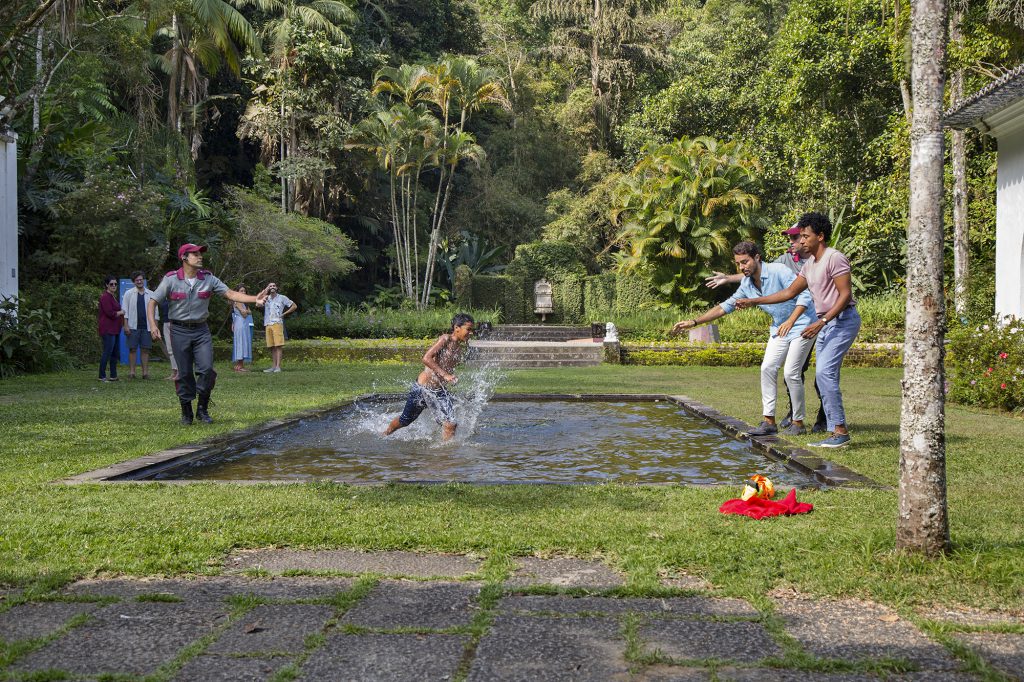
[{"x": 193, "y": 352}]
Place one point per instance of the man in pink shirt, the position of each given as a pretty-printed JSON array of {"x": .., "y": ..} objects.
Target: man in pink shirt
[{"x": 827, "y": 275}]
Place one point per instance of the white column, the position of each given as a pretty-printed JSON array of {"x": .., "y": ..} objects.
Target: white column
[
  {"x": 8, "y": 213},
  {"x": 1010, "y": 225}
]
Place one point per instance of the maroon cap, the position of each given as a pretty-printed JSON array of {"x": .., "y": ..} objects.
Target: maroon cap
[
  {"x": 792, "y": 230},
  {"x": 189, "y": 248}
]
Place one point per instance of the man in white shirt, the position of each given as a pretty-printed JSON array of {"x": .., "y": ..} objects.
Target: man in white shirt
[
  {"x": 134, "y": 303},
  {"x": 275, "y": 308}
]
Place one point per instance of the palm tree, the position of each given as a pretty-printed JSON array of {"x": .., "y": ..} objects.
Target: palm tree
[
  {"x": 210, "y": 34},
  {"x": 923, "y": 521},
  {"x": 682, "y": 207},
  {"x": 327, "y": 16},
  {"x": 608, "y": 37}
]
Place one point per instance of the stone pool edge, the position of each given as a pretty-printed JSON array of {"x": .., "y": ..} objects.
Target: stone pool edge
[{"x": 803, "y": 461}]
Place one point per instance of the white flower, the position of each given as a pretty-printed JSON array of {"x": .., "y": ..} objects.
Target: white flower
[{"x": 985, "y": 327}]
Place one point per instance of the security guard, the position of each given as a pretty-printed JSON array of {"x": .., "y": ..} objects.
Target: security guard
[{"x": 188, "y": 291}]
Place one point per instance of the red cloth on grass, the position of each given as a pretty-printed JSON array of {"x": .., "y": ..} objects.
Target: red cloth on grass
[{"x": 756, "y": 508}]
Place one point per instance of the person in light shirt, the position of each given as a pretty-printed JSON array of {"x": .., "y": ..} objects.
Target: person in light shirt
[
  {"x": 275, "y": 308},
  {"x": 827, "y": 275},
  {"x": 786, "y": 348}
]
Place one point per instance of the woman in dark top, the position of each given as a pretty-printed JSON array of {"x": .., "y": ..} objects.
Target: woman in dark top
[{"x": 110, "y": 321}]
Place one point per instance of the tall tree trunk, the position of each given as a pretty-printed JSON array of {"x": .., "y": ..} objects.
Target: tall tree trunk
[
  {"x": 280, "y": 169},
  {"x": 38, "y": 95},
  {"x": 923, "y": 524},
  {"x": 961, "y": 265}
]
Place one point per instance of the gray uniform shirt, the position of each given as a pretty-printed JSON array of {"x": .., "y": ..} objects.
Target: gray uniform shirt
[
  {"x": 188, "y": 303},
  {"x": 787, "y": 259}
]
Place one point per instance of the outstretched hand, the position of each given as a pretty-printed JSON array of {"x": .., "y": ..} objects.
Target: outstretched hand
[
  {"x": 682, "y": 326},
  {"x": 262, "y": 296},
  {"x": 716, "y": 280}
]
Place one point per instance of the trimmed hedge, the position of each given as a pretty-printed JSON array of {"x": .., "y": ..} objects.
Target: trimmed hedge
[
  {"x": 551, "y": 259},
  {"x": 570, "y": 300},
  {"x": 390, "y": 351},
  {"x": 633, "y": 294},
  {"x": 599, "y": 296},
  {"x": 73, "y": 309},
  {"x": 747, "y": 355}
]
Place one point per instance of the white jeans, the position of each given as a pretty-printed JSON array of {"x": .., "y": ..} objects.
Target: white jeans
[{"x": 790, "y": 352}]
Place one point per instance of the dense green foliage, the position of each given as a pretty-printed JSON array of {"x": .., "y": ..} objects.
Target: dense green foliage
[{"x": 431, "y": 134}]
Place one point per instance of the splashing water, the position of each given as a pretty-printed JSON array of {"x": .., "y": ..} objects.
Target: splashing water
[{"x": 470, "y": 395}]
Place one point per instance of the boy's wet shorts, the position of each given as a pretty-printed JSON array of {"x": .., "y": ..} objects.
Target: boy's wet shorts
[{"x": 422, "y": 396}]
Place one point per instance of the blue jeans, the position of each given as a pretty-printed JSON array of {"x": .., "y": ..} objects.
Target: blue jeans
[
  {"x": 109, "y": 355},
  {"x": 833, "y": 343}
]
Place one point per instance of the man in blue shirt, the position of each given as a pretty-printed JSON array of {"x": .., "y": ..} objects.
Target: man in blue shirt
[{"x": 786, "y": 347}]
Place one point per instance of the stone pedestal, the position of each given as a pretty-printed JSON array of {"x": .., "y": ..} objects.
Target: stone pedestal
[{"x": 707, "y": 333}]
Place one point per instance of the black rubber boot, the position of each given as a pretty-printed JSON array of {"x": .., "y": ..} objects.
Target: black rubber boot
[
  {"x": 202, "y": 414},
  {"x": 186, "y": 412}
]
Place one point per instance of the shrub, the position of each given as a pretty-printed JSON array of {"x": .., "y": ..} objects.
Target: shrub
[
  {"x": 570, "y": 297},
  {"x": 633, "y": 293},
  {"x": 986, "y": 364},
  {"x": 28, "y": 341},
  {"x": 72, "y": 309},
  {"x": 599, "y": 297},
  {"x": 356, "y": 323},
  {"x": 551, "y": 259}
]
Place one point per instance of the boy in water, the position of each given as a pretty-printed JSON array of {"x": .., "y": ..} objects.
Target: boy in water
[{"x": 431, "y": 385}]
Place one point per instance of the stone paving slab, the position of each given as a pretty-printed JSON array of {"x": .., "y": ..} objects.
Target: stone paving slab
[
  {"x": 412, "y": 564},
  {"x": 678, "y": 606},
  {"x": 563, "y": 572},
  {"x": 761, "y": 674},
  {"x": 693, "y": 640},
  {"x": 970, "y": 616},
  {"x": 775, "y": 675},
  {"x": 1004, "y": 651},
  {"x": 273, "y": 628},
  {"x": 132, "y": 638},
  {"x": 855, "y": 630},
  {"x": 556, "y": 649},
  {"x": 671, "y": 673},
  {"x": 230, "y": 669},
  {"x": 208, "y": 589},
  {"x": 387, "y": 658},
  {"x": 401, "y": 604},
  {"x": 39, "y": 619}
]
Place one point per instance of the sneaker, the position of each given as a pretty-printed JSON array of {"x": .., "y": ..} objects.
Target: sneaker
[
  {"x": 270, "y": 370},
  {"x": 103, "y": 378},
  {"x": 786, "y": 421},
  {"x": 764, "y": 429},
  {"x": 819, "y": 428},
  {"x": 836, "y": 441},
  {"x": 794, "y": 430},
  {"x": 277, "y": 369},
  {"x": 113, "y": 379}
]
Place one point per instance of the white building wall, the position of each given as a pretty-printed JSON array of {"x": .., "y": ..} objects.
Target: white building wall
[
  {"x": 8, "y": 214},
  {"x": 1010, "y": 225}
]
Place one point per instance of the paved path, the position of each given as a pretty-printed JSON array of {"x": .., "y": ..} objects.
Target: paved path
[{"x": 551, "y": 620}]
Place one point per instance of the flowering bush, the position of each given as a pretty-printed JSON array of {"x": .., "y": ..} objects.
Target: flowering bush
[{"x": 986, "y": 364}]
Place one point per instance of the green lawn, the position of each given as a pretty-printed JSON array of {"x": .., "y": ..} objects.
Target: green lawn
[{"x": 57, "y": 425}]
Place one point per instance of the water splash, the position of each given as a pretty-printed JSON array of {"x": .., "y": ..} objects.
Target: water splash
[{"x": 470, "y": 396}]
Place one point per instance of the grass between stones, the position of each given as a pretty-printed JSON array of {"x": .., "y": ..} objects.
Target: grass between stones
[{"x": 57, "y": 425}]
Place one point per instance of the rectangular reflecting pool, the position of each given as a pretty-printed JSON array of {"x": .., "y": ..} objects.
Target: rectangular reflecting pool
[{"x": 498, "y": 441}]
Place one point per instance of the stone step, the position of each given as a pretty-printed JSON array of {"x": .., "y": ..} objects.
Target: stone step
[
  {"x": 539, "y": 357},
  {"x": 527, "y": 364},
  {"x": 529, "y": 332}
]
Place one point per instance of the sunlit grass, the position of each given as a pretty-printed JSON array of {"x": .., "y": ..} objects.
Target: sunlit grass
[{"x": 57, "y": 425}]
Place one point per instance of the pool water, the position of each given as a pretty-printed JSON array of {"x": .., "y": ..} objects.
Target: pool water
[{"x": 508, "y": 442}]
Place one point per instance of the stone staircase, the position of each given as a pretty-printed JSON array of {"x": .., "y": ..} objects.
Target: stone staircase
[
  {"x": 536, "y": 332},
  {"x": 524, "y": 346}
]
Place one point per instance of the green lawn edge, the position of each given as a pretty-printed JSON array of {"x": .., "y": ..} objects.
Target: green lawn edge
[{"x": 58, "y": 425}]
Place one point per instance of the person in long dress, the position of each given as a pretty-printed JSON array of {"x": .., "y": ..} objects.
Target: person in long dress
[{"x": 241, "y": 330}]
